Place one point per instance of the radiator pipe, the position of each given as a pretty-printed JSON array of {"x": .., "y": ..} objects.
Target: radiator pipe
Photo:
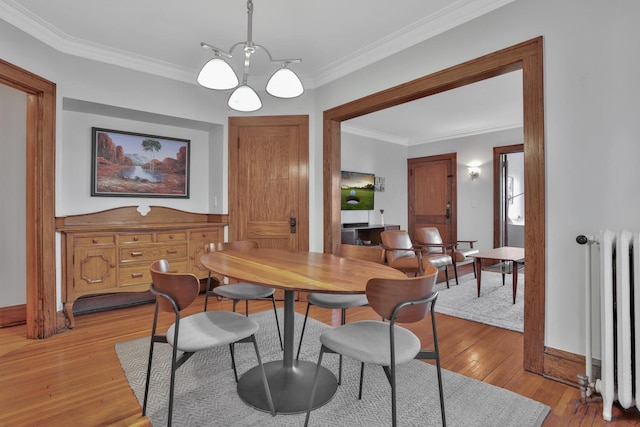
[{"x": 586, "y": 387}]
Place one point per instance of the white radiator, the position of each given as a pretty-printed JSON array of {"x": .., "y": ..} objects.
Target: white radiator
[{"x": 618, "y": 259}]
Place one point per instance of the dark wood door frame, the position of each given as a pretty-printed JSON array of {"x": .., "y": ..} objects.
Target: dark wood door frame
[
  {"x": 40, "y": 209},
  {"x": 526, "y": 56}
]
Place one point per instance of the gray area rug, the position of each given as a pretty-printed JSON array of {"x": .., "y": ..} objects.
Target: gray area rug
[
  {"x": 206, "y": 390},
  {"x": 494, "y": 306}
]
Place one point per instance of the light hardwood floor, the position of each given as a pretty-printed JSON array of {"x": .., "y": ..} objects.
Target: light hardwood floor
[{"x": 74, "y": 378}]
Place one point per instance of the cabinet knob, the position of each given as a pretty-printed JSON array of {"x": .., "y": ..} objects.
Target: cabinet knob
[
  {"x": 135, "y": 238},
  {"x": 136, "y": 275},
  {"x": 136, "y": 254},
  {"x": 95, "y": 240}
]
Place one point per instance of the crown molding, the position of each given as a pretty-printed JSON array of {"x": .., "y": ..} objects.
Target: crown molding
[
  {"x": 430, "y": 26},
  {"x": 368, "y": 133},
  {"x": 453, "y": 15},
  {"x": 394, "y": 139},
  {"x": 26, "y": 21},
  {"x": 465, "y": 133}
]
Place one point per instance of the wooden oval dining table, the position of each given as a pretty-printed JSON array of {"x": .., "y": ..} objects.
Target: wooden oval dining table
[{"x": 290, "y": 380}]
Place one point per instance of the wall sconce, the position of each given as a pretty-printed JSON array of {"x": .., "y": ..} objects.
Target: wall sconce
[{"x": 474, "y": 172}]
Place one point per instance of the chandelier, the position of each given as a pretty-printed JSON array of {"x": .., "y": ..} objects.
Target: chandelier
[{"x": 217, "y": 74}]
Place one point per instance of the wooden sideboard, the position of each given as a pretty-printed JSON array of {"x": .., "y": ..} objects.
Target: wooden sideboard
[{"x": 111, "y": 251}]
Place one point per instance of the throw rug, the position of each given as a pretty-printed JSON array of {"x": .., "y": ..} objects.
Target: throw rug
[
  {"x": 205, "y": 389},
  {"x": 495, "y": 305}
]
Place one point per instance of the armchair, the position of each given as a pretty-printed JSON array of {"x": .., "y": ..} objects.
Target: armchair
[
  {"x": 403, "y": 255},
  {"x": 430, "y": 237}
]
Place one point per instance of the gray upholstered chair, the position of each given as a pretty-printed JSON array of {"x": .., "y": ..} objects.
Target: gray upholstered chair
[
  {"x": 430, "y": 237},
  {"x": 403, "y": 255},
  {"x": 202, "y": 331},
  {"x": 388, "y": 344},
  {"x": 238, "y": 291},
  {"x": 343, "y": 301}
]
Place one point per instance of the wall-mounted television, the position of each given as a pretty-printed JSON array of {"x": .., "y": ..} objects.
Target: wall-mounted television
[{"x": 357, "y": 191}]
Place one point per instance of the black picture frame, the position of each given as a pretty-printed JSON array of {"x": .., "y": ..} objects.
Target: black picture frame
[{"x": 130, "y": 164}]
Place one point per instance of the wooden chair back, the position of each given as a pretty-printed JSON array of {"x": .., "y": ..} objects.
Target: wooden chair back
[
  {"x": 365, "y": 253},
  {"x": 385, "y": 295},
  {"x": 238, "y": 245},
  {"x": 182, "y": 288},
  {"x": 397, "y": 239},
  {"x": 430, "y": 235}
]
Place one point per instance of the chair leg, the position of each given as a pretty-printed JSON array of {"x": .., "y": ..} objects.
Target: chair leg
[
  {"x": 206, "y": 292},
  {"x": 446, "y": 275},
  {"x": 304, "y": 324},
  {"x": 475, "y": 275},
  {"x": 264, "y": 376},
  {"x": 435, "y": 355},
  {"x": 146, "y": 386},
  {"x": 343, "y": 320},
  {"x": 361, "y": 380},
  {"x": 233, "y": 361},
  {"x": 275, "y": 312},
  {"x": 394, "y": 409},
  {"x": 172, "y": 382},
  {"x": 455, "y": 271},
  {"x": 314, "y": 386},
  {"x": 438, "y": 367}
]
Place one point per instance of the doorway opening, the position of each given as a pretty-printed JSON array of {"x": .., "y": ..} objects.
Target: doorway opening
[
  {"x": 509, "y": 191},
  {"x": 526, "y": 56}
]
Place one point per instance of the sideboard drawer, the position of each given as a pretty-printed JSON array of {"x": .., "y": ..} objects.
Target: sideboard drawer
[
  {"x": 136, "y": 238},
  {"x": 96, "y": 239},
  {"x": 152, "y": 253},
  {"x": 134, "y": 275},
  {"x": 179, "y": 236}
]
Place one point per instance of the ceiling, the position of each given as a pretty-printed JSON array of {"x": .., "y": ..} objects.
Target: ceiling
[{"x": 333, "y": 38}]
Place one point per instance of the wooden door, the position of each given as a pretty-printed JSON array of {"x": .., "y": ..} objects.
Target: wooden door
[
  {"x": 432, "y": 194},
  {"x": 268, "y": 181}
]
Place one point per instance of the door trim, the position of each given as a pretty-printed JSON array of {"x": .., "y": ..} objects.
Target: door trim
[
  {"x": 41, "y": 178},
  {"x": 526, "y": 56}
]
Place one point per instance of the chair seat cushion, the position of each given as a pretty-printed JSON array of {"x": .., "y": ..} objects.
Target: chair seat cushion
[
  {"x": 337, "y": 300},
  {"x": 243, "y": 291},
  {"x": 368, "y": 341},
  {"x": 461, "y": 255},
  {"x": 211, "y": 329},
  {"x": 407, "y": 264},
  {"x": 440, "y": 260}
]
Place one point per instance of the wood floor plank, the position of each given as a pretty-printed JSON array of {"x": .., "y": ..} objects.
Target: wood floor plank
[{"x": 74, "y": 378}]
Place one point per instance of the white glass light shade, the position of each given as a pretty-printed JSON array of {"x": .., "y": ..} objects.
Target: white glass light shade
[
  {"x": 217, "y": 74},
  {"x": 284, "y": 84},
  {"x": 244, "y": 99}
]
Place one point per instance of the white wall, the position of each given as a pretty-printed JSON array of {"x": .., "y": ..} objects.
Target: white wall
[
  {"x": 592, "y": 103},
  {"x": 13, "y": 225},
  {"x": 363, "y": 154},
  {"x": 74, "y": 172},
  {"x": 591, "y": 99}
]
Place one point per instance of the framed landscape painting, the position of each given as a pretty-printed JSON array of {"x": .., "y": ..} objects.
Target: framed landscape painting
[{"x": 128, "y": 164}]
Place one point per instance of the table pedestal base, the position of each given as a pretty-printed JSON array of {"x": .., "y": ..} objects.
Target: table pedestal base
[{"x": 290, "y": 386}]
